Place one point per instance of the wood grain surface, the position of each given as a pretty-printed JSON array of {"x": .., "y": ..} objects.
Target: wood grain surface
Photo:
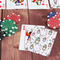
[
  {"x": 0, "y": 41},
  {"x": 10, "y": 45}
]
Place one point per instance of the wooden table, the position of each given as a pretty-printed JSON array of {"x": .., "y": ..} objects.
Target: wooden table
[{"x": 10, "y": 45}]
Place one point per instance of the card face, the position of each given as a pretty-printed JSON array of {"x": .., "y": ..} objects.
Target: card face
[
  {"x": 23, "y": 37},
  {"x": 30, "y": 37},
  {"x": 2, "y": 4},
  {"x": 16, "y": 4},
  {"x": 40, "y": 41},
  {"x": 37, "y": 39},
  {"x": 55, "y": 3},
  {"x": 38, "y": 4}
]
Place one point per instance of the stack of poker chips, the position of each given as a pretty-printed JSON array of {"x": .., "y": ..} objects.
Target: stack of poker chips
[
  {"x": 2, "y": 33},
  {"x": 53, "y": 20},
  {"x": 8, "y": 26}
]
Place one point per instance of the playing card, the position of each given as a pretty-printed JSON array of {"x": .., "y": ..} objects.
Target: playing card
[
  {"x": 16, "y": 4},
  {"x": 32, "y": 37},
  {"x": 28, "y": 31},
  {"x": 24, "y": 37},
  {"x": 2, "y": 4},
  {"x": 40, "y": 41},
  {"x": 38, "y": 4},
  {"x": 55, "y": 3},
  {"x": 47, "y": 38}
]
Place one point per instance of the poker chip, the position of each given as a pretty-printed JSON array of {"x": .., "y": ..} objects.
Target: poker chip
[
  {"x": 9, "y": 27},
  {"x": 54, "y": 22},
  {"x": 13, "y": 16},
  {"x": 2, "y": 34},
  {"x": 51, "y": 14}
]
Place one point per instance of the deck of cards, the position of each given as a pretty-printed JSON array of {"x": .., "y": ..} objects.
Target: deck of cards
[{"x": 37, "y": 39}]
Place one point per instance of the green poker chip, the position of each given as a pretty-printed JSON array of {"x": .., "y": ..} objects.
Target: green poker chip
[{"x": 9, "y": 27}]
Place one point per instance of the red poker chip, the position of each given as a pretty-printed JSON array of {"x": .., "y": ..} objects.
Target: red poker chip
[
  {"x": 54, "y": 22},
  {"x": 4, "y": 18},
  {"x": 15, "y": 17}
]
